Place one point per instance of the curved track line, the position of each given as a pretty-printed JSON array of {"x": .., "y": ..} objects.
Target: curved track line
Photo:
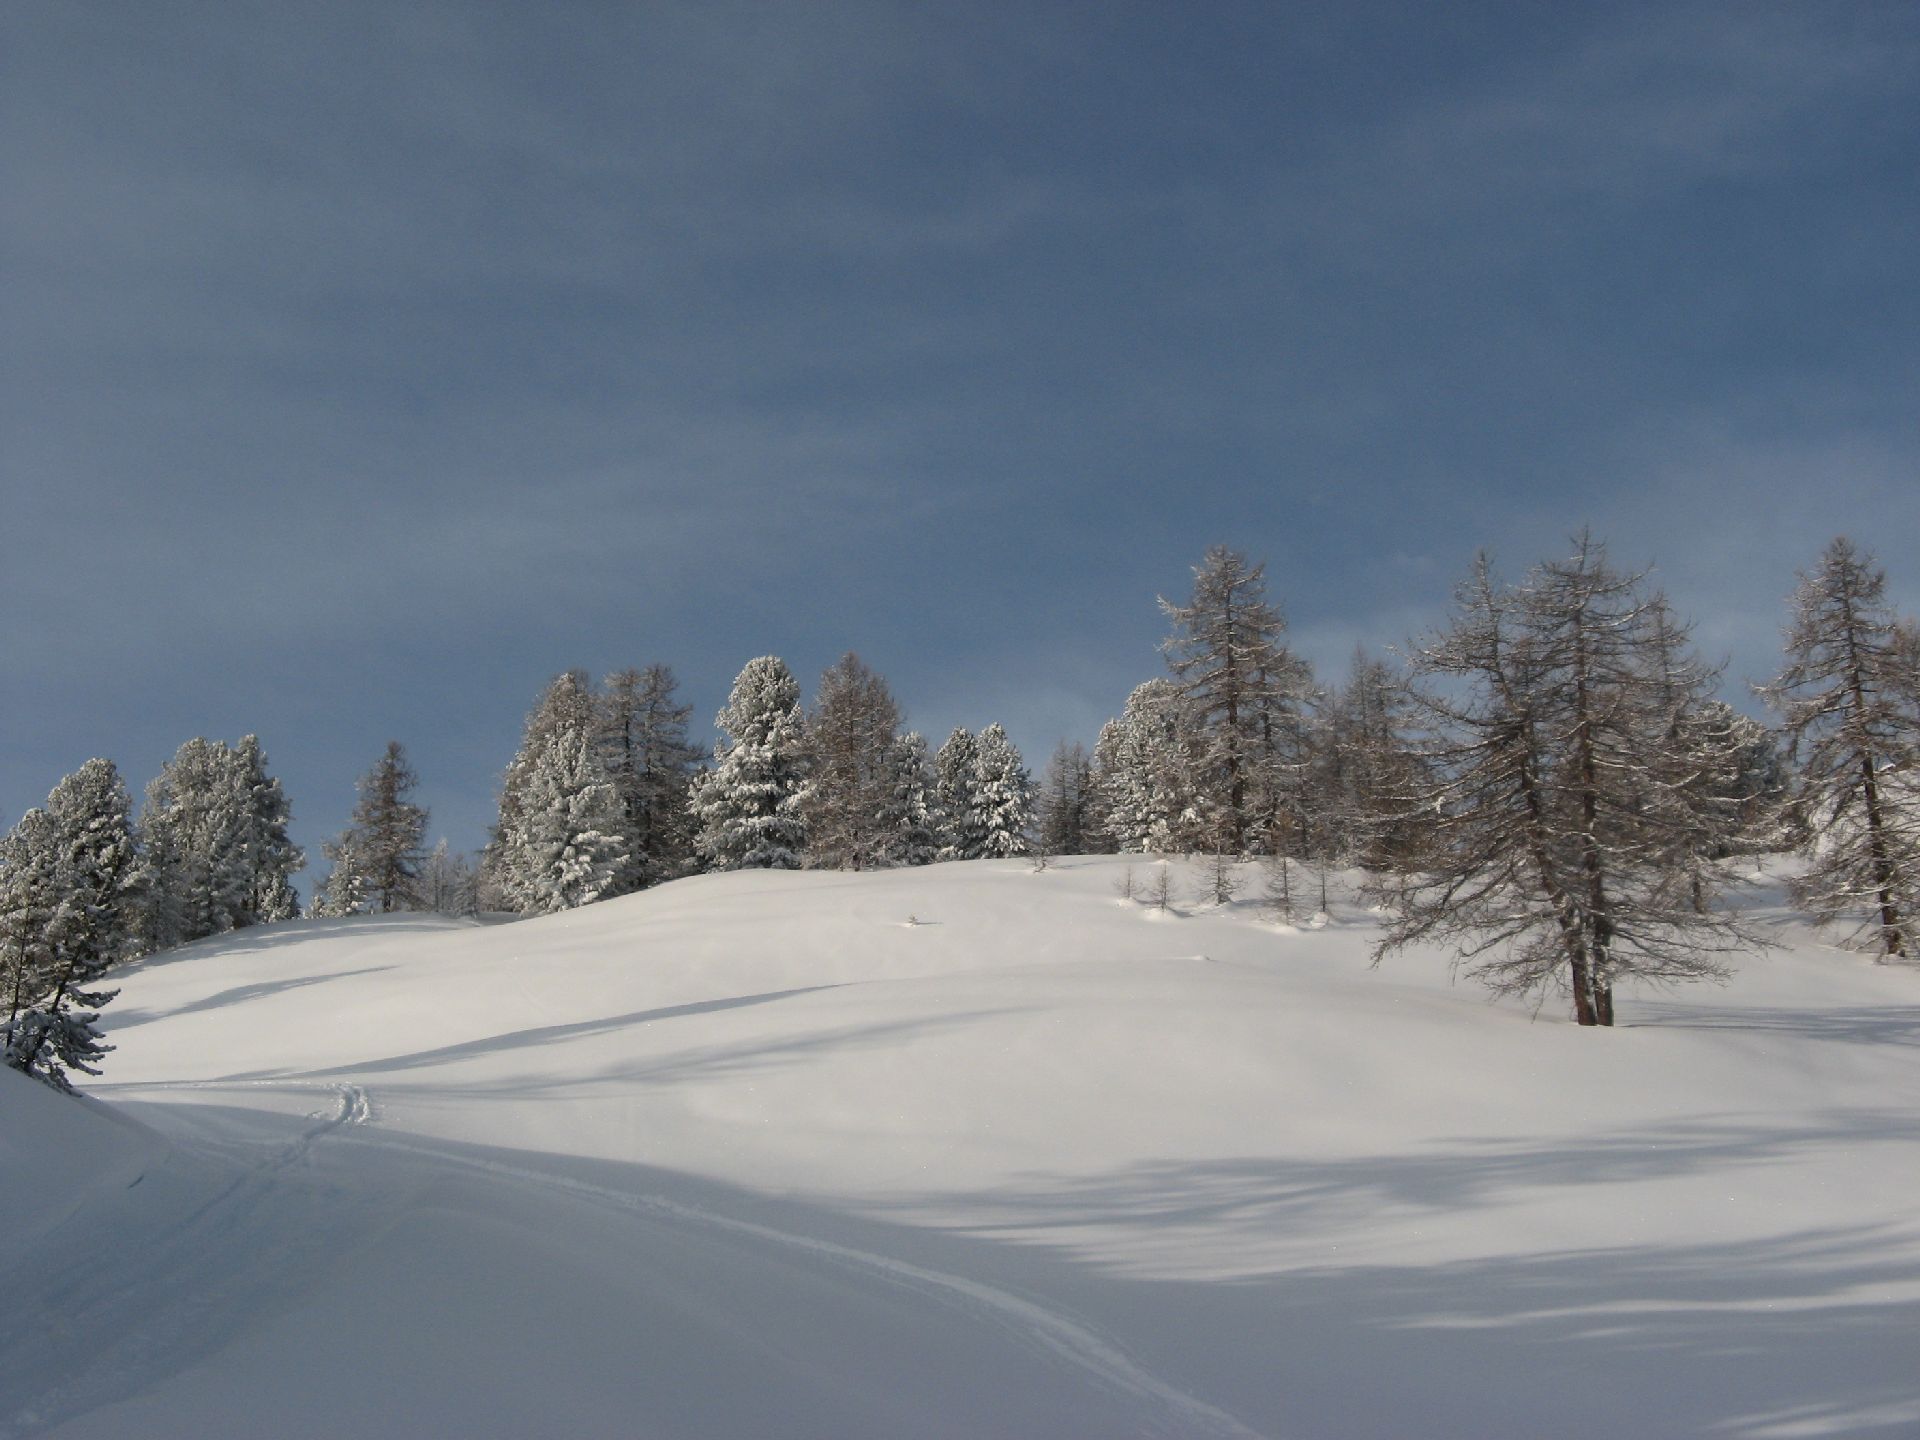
[{"x": 1070, "y": 1340}]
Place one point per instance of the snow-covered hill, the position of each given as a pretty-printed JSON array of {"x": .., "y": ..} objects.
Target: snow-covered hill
[{"x": 964, "y": 1151}]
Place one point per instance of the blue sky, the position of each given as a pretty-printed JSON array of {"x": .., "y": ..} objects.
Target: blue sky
[{"x": 366, "y": 364}]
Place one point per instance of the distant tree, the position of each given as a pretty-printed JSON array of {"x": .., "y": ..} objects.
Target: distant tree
[
  {"x": 1003, "y": 793},
  {"x": 956, "y": 797},
  {"x": 562, "y": 835},
  {"x": 203, "y": 835},
  {"x": 851, "y": 770},
  {"x": 643, "y": 746},
  {"x": 1243, "y": 688},
  {"x": 567, "y": 841},
  {"x": 560, "y": 719},
  {"x": 272, "y": 857},
  {"x": 909, "y": 820},
  {"x": 1365, "y": 772},
  {"x": 446, "y": 884},
  {"x": 388, "y": 830},
  {"x": 344, "y": 890},
  {"x": 1849, "y": 701},
  {"x": 1147, "y": 765},
  {"x": 1556, "y": 776},
  {"x": 750, "y": 806},
  {"x": 1064, "y": 807}
]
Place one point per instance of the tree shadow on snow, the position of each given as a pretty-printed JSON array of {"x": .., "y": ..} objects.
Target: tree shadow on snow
[
  {"x": 1852, "y": 1024},
  {"x": 237, "y": 995}
]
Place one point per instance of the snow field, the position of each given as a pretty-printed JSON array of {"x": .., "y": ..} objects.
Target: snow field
[{"x": 750, "y": 1154}]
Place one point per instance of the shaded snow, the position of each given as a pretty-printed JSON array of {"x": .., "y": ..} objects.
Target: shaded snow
[{"x": 751, "y": 1154}]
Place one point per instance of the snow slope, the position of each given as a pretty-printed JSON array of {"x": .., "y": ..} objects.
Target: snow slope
[{"x": 752, "y": 1154}]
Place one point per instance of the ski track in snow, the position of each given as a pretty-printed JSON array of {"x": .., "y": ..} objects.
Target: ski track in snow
[
  {"x": 151, "y": 1299},
  {"x": 1070, "y": 1340},
  {"x": 1167, "y": 1410}
]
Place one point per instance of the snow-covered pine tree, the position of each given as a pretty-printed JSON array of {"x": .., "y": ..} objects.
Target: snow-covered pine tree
[
  {"x": 388, "y": 830},
  {"x": 749, "y": 806},
  {"x": 199, "y": 830},
  {"x": 568, "y": 839},
  {"x": 908, "y": 820},
  {"x": 1147, "y": 763},
  {"x": 1245, "y": 692},
  {"x": 1557, "y": 790},
  {"x": 1003, "y": 793},
  {"x": 956, "y": 800},
  {"x": 272, "y": 857},
  {"x": 344, "y": 891},
  {"x": 554, "y": 831},
  {"x": 563, "y": 715},
  {"x": 1849, "y": 702},
  {"x": 644, "y": 749},
  {"x": 29, "y": 895},
  {"x": 1064, "y": 818},
  {"x": 90, "y": 879},
  {"x": 851, "y": 779}
]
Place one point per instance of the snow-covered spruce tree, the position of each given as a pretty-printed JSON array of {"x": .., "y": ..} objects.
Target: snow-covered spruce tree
[
  {"x": 1849, "y": 702},
  {"x": 1558, "y": 790},
  {"x": 956, "y": 780},
  {"x": 749, "y": 806},
  {"x": 1064, "y": 806},
  {"x": 88, "y": 878},
  {"x": 1147, "y": 766},
  {"x": 908, "y": 819},
  {"x": 388, "y": 830},
  {"x": 29, "y": 894},
  {"x": 643, "y": 747},
  {"x": 850, "y": 769},
  {"x": 563, "y": 715},
  {"x": 1245, "y": 691},
  {"x": 344, "y": 891},
  {"x": 199, "y": 831},
  {"x": 561, "y": 837},
  {"x": 272, "y": 857},
  {"x": 567, "y": 842},
  {"x": 1003, "y": 793}
]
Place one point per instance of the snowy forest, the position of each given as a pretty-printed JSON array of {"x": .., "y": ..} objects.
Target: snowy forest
[{"x": 1550, "y": 783}]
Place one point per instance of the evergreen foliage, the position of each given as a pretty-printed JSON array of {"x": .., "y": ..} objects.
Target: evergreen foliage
[
  {"x": 909, "y": 820},
  {"x": 561, "y": 839},
  {"x": 956, "y": 799},
  {"x": 214, "y": 827},
  {"x": 1003, "y": 795},
  {"x": 750, "y": 806},
  {"x": 273, "y": 858},
  {"x": 1148, "y": 764},
  {"x": 70, "y": 886}
]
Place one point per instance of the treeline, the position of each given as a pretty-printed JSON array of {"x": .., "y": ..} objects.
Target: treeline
[
  {"x": 83, "y": 888},
  {"x": 1547, "y": 784}
]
